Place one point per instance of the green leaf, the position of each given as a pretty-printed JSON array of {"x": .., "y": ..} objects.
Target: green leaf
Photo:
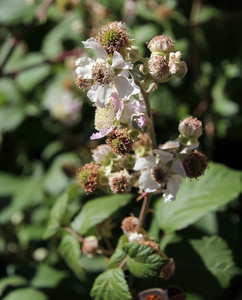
[
  {"x": 13, "y": 280},
  {"x": 69, "y": 249},
  {"x": 111, "y": 285},
  {"x": 47, "y": 277},
  {"x": 25, "y": 294},
  {"x": 98, "y": 210},
  {"x": 119, "y": 254},
  {"x": 27, "y": 193},
  {"x": 59, "y": 215},
  {"x": 142, "y": 261},
  {"x": 15, "y": 11},
  {"x": 217, "y": 258},
  {"x": 8, "y": 184},
  {"x": 195, "y": 199}
]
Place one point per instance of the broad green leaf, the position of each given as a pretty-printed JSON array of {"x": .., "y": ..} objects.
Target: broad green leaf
[
  {"x": 13, "y": 280},
  {"x": 111, "y": 285},
  {"x": 25, "y": 294},
  {"x": 8, "y": 184},
  {"x": 142, "y": 261},
  {"x": 69, "y": 249},
  {"x": 195, "y": 199},
  {"x": 47, "y": 277},
  {"x": 16, "y": 11},
  {"x": 28, "y": 193},
  {"x": 119, "y": 254},
  {"x": 11, "y": 117},
  {"x": 217, "y": 258},
  {"x": 97, "y": 210},
  {"x": 59, "y": 215}
]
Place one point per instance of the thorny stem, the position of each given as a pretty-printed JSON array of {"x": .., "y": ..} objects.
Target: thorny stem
[
  {"x": 122, "y": 263},
  {"x": 40, "y": 14}
]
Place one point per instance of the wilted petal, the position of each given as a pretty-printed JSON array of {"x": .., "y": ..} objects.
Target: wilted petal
[
  {"x": 126, "y": 87},
  {"x": 164, "y": 156},
  {"x": 97, "y": 48},
  {"x": 171, "y": 190},
  {"x": 100, "y": 95},
  {"x": 144, "y": 162},
  {"x": 147, "y": 183},
  {"x": 84, "y": 67},
  {"x": 120, "y": 63}
]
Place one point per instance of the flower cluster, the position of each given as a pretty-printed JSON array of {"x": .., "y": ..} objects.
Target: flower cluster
[{"x": 130, "y": 157}]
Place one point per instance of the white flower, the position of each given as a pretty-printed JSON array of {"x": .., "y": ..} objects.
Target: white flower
[
  {"x": 157, "y": 175},
  {"x": 102, "y": 72},
  {"x": 174, "y": 61},
  {"x": 136, "y": 237}
]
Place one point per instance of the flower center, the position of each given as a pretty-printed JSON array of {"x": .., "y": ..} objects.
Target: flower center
[
  {"x": 104, "y": 116},
  {"x": 111, "y": 37},
  {"x": 160, "y": 174},
  {"x": 102, "y": 73}
]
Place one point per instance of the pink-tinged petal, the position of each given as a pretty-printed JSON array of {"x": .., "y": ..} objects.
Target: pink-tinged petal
[
  {"x": 171, "y": 190},
  {"x": 126, "y": 87},
  {"x": 84, "y": 67},
  {"x": 144, "y": 162},
  {"x": 133, "y": 107},
  {"x": 147, "y": 183},
  {"x": 100, "y": 95},
  {"x": 177, "y": 168},
  {"x": 97, "y": 48},
  {"x": 120, "y": 110},
  {"x": 120, "y": 63},
  {"x": 101, "y": 133}
]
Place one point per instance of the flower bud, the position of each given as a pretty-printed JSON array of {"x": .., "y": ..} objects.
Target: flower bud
[
  {"x": 182, "y": 71},
  {"x": 194, "y": 163},
  {"x": 138, "y": 121},
  {"x": 191, "y": 130},
  {"x": 134, "y": 54},
  {"x": 90, "y": 245},
  {"x": 161, "y": 43},
  {"x": 130, "y": 225}
]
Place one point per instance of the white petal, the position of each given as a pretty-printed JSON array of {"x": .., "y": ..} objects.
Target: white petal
[
  {"x": 97, "y": 48},
  {"x": 144, "y": 162},
  {"x": 84, "y": 67},
  {"x": 164, "y": 156},
  {"x": 147, "y": 183},
  {"x": 100, "y": 95},
  {"x": 171, "y": 190},
  {"x": 136, "y": 237},
  {"x": 120, "y": 63},
  {"x": 126, "y": 87},
  {"x": 177, "y": 167}
]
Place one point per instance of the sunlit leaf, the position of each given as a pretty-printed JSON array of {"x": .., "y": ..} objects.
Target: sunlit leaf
[
  {"x": 111, "y": 285},
  {"x": 97, "y": 210},
  {"x": 216, "y": 188},
  {"x": 26, "y": 294},
  {"x": 13, "y": 280}
]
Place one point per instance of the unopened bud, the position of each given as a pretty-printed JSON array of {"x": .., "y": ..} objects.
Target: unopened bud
[
  {"x": 161, "y": 43},
  {"x": 90, "y": 245},
  {"x": 130, "y": 225},
  {"x": 134, "y": 54},
  {"x": 190, "y": 128}
]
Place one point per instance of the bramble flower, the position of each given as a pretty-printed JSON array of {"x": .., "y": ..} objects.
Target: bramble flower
[
  {"x": 120, "y": 182},
  {"x": 113, "y": 37},
  {"x": 174, "y": 60},
  {"x": 67, "y": 110},
  {"x": 194, "y": 163},
  {"x": 87, "y": 177},
  {"x": 158, "y": 67},
  {"x": 157, "y": 175},
  {"x": 120, "y": 142},
  {"x": 105, "y": 74},
  {"x": 190, "y": 130}
]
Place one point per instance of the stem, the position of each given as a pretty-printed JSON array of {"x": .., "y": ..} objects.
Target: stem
[
  {"x": 122, "y": 263},
  {"x": 70, "y": 230},
  {"x": 144, "y": 209},
  {"x": 149, "y": 113}
]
